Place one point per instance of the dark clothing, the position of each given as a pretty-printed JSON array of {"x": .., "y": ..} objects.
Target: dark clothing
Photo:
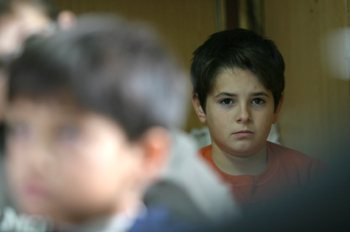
[
  {"x": 159, "y": 219},
  {"x": 323, "y": 206}
]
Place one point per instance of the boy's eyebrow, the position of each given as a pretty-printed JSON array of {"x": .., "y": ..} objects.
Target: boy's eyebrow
[
  {"x": 235, "y": 95},
  {"x": 260, "y": 94},
  {"x": 226, "y": 94}
]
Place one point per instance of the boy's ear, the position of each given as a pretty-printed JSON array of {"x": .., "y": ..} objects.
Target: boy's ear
[
  {"x": 278, "y": 109},
  {"x": 156, "y": 149},
  {"x": 198, "y": 108}
]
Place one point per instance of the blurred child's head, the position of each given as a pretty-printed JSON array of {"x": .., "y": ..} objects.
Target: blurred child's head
[
  {"x": 238, "y": 83},
  {"x": 88, "y": 118}
]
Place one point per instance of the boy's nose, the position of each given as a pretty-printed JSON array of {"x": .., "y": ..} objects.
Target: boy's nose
[{"x": 243, "y": 114}]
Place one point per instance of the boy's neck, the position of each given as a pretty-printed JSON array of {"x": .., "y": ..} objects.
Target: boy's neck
[{"x": 231, "y": 164}]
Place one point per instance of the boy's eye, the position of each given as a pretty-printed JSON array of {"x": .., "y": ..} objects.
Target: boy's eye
[
  {"x": 226, "y": 101},
  {"x": 258, "y": 101}
]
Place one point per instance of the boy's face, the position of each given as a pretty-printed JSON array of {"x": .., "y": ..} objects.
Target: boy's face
[
  {"x": 68, "y": 163},
  {"x": 239, "y": 113}
]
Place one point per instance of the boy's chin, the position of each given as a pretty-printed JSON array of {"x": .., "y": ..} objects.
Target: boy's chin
[{"x": 243, "y": 150}]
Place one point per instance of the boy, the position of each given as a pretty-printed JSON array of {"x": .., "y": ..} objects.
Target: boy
[
  {"x": 238, "y": 82},
  {"x": 87, "y": 125}
]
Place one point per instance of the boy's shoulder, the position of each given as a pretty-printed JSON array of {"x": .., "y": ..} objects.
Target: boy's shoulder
[
  {"x": 293, "y": 158},
  {"x": 286, "y": 152}
]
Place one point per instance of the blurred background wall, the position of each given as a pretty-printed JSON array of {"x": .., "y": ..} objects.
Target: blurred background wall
[{"x": 315, "y": 117}]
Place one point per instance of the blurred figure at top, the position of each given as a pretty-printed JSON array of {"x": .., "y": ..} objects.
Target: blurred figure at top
[{"x": 20, "y": 19}]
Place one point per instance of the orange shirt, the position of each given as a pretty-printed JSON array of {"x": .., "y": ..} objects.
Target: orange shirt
[{"x": 286, "y": 170}]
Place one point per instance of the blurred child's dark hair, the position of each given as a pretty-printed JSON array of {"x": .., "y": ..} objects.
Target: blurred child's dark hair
[
  {"x": 106, "y": 66},
  {"x": 242, "y": 49},
  {"x": 47, "y": 7}
]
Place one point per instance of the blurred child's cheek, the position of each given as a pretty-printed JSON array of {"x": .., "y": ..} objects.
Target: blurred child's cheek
[
  {"x": 3, "y": 91},
  {"x": 96, "y": 150},
  {"x": 18, "y": 145},
  {"x": 16, "y": 171}
]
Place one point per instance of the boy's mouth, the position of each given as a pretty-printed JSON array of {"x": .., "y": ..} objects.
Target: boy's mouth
[{"x": 243, "y": 133}]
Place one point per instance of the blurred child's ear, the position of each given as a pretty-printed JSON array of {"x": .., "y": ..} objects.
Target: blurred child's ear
[
  {"x": 198, "y": 108},
  {"x": 278, "y": 109},
  {"x": 156, "y": 148},
  {"x": 66, "y": 19}
]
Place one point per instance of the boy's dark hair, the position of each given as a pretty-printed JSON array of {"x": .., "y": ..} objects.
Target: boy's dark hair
[
  {"x": 106, "y": 66},
  {"x": 47, "y": 7},
  {"x": 238, "y": 48}
]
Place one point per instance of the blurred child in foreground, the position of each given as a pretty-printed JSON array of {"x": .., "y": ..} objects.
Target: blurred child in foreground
[{"x": 88, "y": 123}]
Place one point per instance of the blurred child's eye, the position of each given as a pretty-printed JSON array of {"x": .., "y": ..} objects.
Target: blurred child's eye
[
  {"x": 226, "y": 101},
  {"x": 258, "y": 101},
  {"x": 18, "y": 130},
  {"x": 68, "y": 133}
]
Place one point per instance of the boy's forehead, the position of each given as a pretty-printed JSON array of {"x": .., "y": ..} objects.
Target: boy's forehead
[{"x": 237, "y": 80}]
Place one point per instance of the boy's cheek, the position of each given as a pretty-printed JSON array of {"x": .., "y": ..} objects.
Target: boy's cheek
[{"x": 219, "y": 121}]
